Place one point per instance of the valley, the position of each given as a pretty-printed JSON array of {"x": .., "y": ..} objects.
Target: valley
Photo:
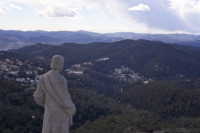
[{"x": 123, "y": 86}]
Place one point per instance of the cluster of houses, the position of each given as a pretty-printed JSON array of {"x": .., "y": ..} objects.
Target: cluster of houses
[
  {"x": 126, "y": 74},
  {"x": 122, "y": 74},
  {"x": 20, "y": 71},
  {"x": 78, "y": 69},
  {"x": 26, "y": 72}
]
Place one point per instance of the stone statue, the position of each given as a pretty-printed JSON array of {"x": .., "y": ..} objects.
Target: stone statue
[{"x": 52, "y": 93}]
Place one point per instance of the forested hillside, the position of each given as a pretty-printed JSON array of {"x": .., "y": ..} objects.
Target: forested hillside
[
  {"x": 151, "y": 59},
  {"x": 20, "y": 114},
  {"x": 164, "y": 99},
  {"x": 121, "y": 87}
]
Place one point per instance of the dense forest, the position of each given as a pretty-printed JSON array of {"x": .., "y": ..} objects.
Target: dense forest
[
  {"x": 151, "y": 59},
  {"x": 168, "y": 102},
  {"x": 20, "y": 114},
  {"x": 164, "y": 99}
]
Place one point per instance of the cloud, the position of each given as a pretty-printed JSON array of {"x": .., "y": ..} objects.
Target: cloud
[
  {"x": 185, "y": 7},
  {"x": 57, "y": 8},
  {"x": 58, "y": 12},
  {"x": 140, "y": 7},
  {"x": 169, "y": 15},
  {"x": 15, "y": 7},
  {"x": 162, "y": 15},
  {"x": 113, "y": 8},
  {"x": 3, "y": 10},
  {"x": 188, "y": 11}
]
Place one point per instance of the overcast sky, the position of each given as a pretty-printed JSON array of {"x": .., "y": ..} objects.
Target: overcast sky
[{"x": 140, "y": 16}]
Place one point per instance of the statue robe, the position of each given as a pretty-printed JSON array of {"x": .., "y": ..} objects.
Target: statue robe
[{"x": 52, "y": 93}]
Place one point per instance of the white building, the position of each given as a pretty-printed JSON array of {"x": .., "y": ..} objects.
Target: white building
[
  {"x": 20, "y": 79},
  {"x": 76, "y": 72},
  {"x": 103, "y": 59}
]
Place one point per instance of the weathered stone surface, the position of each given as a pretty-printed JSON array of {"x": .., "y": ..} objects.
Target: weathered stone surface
[{"x": 52, "y": 93}]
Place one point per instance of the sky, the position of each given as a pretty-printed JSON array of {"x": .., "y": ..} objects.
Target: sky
[{"x": 103, "y": 16}]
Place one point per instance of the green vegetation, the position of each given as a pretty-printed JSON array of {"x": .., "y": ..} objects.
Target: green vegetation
[
  {"x": 151, "y": 59},
  {"x": 18, "y": 111},
  {"x": 119, "y": 124},
  {"x": 20, "y": 114},
  {"x": 170, "y": 102},
  {"x": 164, "y": 99}
]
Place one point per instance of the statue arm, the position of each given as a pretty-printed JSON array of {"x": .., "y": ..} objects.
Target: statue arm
[
  {"x": 39, "y": 94},
  {"x": 71, "y": 109}
]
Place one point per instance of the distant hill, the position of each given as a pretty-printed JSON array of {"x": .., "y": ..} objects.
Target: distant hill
[
  {"x": 168, "y": 38},
  {"x": 13, "y": 39},
  {"x": 33, "y": 49},
  {"x": 191, "y": 43},
  {"x": 149, "y": 58},
  {"x": 103, "y": 103},
  {"x": 16, "y": 39}
]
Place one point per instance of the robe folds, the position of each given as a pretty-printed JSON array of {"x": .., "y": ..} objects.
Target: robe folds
[{"x": 52, "y": 93}]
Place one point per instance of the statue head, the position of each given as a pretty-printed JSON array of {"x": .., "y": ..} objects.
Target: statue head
[{"x": 57, "y": 63}]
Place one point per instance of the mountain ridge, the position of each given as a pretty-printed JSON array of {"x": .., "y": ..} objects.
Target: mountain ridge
[
  {"x": 12, "y": 39},
  {"x": 150, "y": 58}
]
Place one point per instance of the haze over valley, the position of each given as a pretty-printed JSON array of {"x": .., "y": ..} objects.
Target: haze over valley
[
  {"x": 131, "y": 66},
  {"x": 132, "y": 82},
  {"x": 16, "y": 39}
]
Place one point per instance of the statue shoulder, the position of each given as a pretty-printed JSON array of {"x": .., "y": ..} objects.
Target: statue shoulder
[
  {"x": 43, "y": 76},
  {"x": 54, "y": 77},
  {"x": 63, "y": 78}
]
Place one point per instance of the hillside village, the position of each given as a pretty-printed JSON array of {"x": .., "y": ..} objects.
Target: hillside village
[
  {"x": 27, "y": 72},
  {"x": 21, "y": 71},
  {"x": 109, "y": 87},
  {"x": 123, "y": 73}
]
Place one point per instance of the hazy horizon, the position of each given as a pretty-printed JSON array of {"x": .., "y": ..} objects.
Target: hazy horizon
[{"x": 197, "y": 34}]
